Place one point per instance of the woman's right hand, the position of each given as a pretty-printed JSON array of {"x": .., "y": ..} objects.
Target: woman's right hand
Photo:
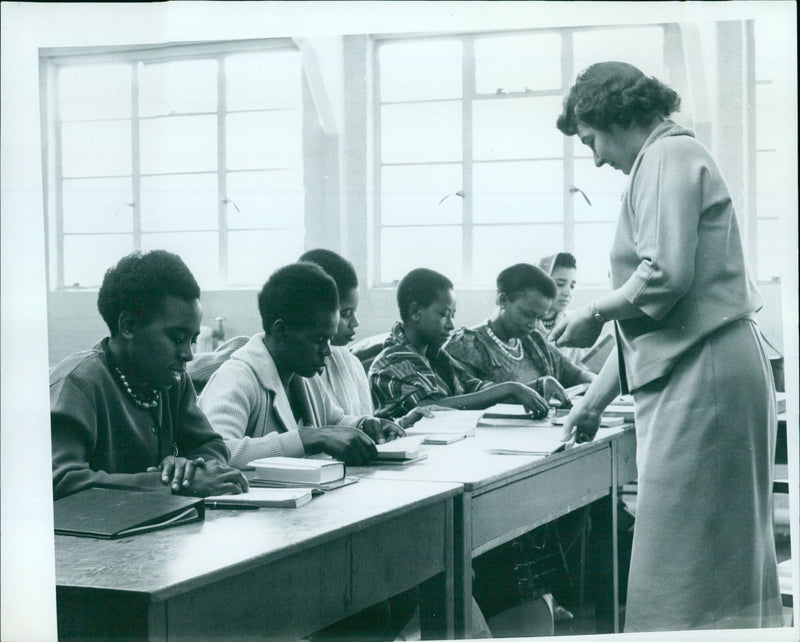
[{"x": 581, "y": 423}]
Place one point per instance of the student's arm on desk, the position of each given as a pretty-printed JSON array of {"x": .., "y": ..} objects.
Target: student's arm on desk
[
  {"x": 71, "y": 472},
  {"x": 583, "y": 420},
  {"x": 496, "y": 393}
]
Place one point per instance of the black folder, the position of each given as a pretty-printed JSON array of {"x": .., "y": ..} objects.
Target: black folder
[{"x": 109, "y": 513}]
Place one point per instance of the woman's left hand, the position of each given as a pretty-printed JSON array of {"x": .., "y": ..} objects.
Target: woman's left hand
[
  {"x": 577, "y": 330},
  {"x": 554, "y": 393}
]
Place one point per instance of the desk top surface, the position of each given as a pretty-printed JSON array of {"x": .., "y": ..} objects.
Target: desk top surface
[
  {"x": 170, "y": 561},
  {"x": 469, "y": 461}
]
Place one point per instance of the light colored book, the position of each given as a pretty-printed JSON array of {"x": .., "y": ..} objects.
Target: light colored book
[
  {"x": 402, "y": 448},
  {"x": 451, "y": 422},
  {"x": 257, "y": 497},
  {"x": 443, "y": 439},
  {"x": 541, "y": 441},
  {"x": 506, "y": 411},
  {"x": 298, "y": 470}
]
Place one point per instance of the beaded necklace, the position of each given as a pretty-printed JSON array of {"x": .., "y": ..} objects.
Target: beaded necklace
[
  {"x": 512, "y": 349},
  {"x": 142, "y": 400}
]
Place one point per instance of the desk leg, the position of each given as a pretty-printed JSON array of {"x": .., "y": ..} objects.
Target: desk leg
[
  {"x": 436, "y": 611},
  {"x": 614, "y": 534},
  {"x": 463, "y": 565}
]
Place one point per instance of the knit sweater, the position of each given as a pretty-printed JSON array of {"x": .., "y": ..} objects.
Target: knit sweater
[
  {"x": 100, "y": 437},
  {"x": 247, "y": 404}
]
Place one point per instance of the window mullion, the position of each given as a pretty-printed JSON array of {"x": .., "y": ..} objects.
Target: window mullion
[
  {"x": 377, "y": 195},
  {"x": 59, "y": 196},
  {"x": 222, "y": 177},
  {"x": 136, "y": 170},
  {"x": 468, "y": 97},
  {"x": 567, "y": 64}
]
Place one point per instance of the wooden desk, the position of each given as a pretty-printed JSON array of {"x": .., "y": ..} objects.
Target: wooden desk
[
  {"x": 508, "y": 495},
  {"x": 268, "y": 573}
]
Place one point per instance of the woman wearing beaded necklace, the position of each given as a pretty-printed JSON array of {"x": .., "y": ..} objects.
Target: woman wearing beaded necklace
[
  {"x": 124, "y": 412},
  {"x": 508, "y": 346}
]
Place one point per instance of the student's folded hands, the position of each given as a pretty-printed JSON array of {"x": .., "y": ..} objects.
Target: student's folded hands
[{"x": 199, "y": 477}]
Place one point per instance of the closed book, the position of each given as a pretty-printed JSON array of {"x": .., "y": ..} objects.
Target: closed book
[
  {"x": 402, "y": 448},
  {"x": 267, "y": 497},
  {"x": 109, "y": 513},
  {"x": 450, "y": 422},
  {"x": 298, "y": 470},
  {"x": 506, "y": 411}
]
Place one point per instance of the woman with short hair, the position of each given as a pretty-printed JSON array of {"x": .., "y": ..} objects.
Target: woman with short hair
[{"x": 684, "y": 308}]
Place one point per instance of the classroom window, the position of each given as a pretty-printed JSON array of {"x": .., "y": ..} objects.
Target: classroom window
[
  {"x": 471, "y": 172},
  {"x": 198, "y": 152}
]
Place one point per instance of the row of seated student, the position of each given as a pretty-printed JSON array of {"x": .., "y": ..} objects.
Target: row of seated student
[{"x": 125, "y": 412}]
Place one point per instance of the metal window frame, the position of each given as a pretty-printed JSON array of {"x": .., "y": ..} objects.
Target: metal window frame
[
  {"x": 54, "y": 59},
  {"x": 469, "y": 97}
]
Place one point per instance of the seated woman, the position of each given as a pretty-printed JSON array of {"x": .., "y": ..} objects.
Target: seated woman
[
  {"x": 413, "y": 370},
  {"x": 266, "y": 401},
  {"x": 562, "y": 267},
  {"x": 344, "y": 376},
  {"x": 124, "y": 412},
  {"x": 508, "y": 347}
]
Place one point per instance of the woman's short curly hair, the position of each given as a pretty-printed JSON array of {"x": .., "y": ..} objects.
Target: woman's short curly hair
[
  {"x": 336, "y": 266},
  {"x": 139, "y": 283},
  {"x": 294, "y": 293},
  {"x": 521, "y": 277},
  {"x": 609, "y": 93}
]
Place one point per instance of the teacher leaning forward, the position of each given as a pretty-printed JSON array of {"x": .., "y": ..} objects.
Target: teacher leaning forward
[{"x": 689, "y": 352}]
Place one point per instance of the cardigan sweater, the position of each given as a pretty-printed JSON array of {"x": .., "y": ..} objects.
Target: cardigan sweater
[
  {"x": 677, "y": 254},
  {"x": 346, "y": 380},
  {"x": 246, "y": 403},
  {"x": 100, "y": 437}
]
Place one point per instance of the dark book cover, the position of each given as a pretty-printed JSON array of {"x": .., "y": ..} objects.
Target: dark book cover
[{"x": 109, "y": 513}]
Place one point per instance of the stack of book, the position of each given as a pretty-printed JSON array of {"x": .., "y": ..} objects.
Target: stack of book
[{"x": 292, "y": 472}]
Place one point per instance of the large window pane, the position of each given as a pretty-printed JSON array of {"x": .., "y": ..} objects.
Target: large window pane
[
  {"x": 265, "y": 199},
  {"x": 421, "y": 132},
  {"x": 516, "y": 128},
  {"x": 87, "y": 257},
  {"x": 593, "y": 243},
  {"x": 179, "y": 144},
  {"x": 406, "y": 248},
  {"x": 94, "y": 91},
  {"x": 497, "y": 247},
  {"x": 263, "y": 80},
  {"x": 262, "y": 140},
  {"x": 518, "y": 192},
  {"x": 639, "y": 46},
  {"x": 199, "y": 250},
  {"x": 254, "y": 255},
  {"x": 417, "y": 194},
  {"x": 518, "y": 63},
  {"x": 97, "y": 205},
  {"x": 179, "y": 203},
  {"x": 420, "y": 70},
  {"x": 603, "y": 186},
  {"x": 96, "y": 148},
  {"x": 179, "y": 87}
]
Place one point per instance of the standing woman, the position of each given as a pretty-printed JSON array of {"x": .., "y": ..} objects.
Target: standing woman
[{"x": 684, "y": 307}]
